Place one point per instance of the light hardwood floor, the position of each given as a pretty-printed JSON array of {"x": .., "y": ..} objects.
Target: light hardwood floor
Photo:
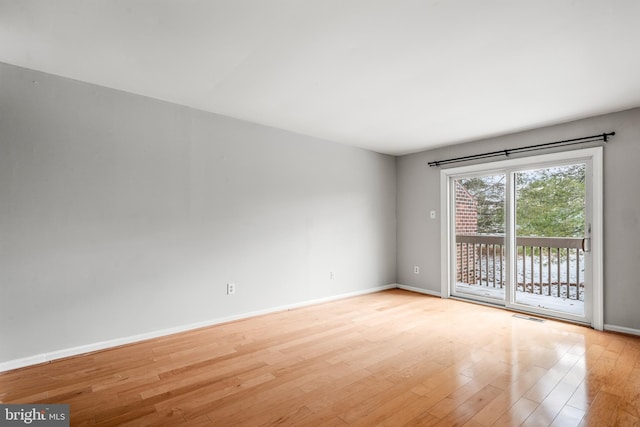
[{"x": 392, "y": 358}]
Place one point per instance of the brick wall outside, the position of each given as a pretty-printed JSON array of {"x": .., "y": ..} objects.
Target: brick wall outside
[{"x": 466, "y": 224}]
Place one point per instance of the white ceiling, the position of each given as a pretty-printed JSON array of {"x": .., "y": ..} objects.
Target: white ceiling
[{"x": 393, "y": 76}]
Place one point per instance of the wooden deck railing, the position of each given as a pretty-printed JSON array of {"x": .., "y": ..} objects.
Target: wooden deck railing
[{"x": 545, "y": 265}]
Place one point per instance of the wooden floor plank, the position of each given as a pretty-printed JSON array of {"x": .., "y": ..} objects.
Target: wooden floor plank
[
  {"x": 517, "y": 414},
  {"x": 392, "y": 358},
  {"x": 568, "y": 417}
]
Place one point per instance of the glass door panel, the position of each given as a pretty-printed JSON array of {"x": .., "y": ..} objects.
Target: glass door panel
[
  {"x": 480, "y": 271},
  {"x": 550, "y": 228}
]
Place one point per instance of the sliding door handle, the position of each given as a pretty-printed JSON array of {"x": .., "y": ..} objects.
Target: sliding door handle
[{"x": 586, "y": 244}]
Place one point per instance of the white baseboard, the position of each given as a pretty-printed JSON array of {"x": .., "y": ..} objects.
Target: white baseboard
[
  {"x": 419, "y": 290},
  {"x": 622, "y": 329},
  {"x": 102, "y": 345}
]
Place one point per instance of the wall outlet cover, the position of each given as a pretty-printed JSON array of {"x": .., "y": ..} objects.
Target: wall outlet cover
[{"x": 231, "y": 288}]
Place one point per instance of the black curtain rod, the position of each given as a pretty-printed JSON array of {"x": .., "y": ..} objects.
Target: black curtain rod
[{"x": 602, "y": 137}]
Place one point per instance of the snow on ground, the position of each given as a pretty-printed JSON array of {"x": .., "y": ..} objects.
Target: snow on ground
[
  {"x": 558, "y": 274},
  {"x": 562, "y": 305}
]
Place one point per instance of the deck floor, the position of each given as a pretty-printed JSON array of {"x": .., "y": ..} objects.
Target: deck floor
[{"x": 549, "y": 302}]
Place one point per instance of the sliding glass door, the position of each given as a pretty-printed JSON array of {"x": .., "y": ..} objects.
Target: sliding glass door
[
  {"x": 519, "y": 233},
  {"x": 480, "y": 236},
  {"x": 551, "y": 228}
]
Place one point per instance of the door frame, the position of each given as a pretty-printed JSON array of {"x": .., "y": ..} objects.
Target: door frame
[{"x": 591, "y": 155}]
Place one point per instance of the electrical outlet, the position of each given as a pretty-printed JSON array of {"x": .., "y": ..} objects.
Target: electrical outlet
[
  {"x": 432, "y": 214},
  {"x": 331, "y": 275},
  {"x": 231, "y": 288},
  {"x": 416, "y": 270}
]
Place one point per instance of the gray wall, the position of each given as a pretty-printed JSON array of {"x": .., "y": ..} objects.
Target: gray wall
[
  {"x": 121, "y": 215},
  {"x": 419, "y": 193}
]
